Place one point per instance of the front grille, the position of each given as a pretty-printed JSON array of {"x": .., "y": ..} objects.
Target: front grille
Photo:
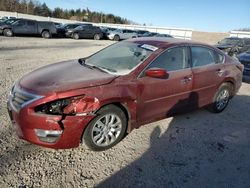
[{"x": 19, "y": 98}]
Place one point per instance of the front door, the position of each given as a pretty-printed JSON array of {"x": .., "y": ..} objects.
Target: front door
[
  {"x": 20, "y": 27},
  {"x": 160, "y": 97}
]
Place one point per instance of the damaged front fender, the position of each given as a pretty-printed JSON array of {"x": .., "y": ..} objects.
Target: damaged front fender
[
  {"x": 82, "y": 106},
  {"x": 79, "y": 105}
]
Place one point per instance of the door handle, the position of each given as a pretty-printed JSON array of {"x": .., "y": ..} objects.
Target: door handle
[{"x": 186, "y": 79}]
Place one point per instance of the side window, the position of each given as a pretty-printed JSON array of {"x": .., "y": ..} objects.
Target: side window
[
  {"x": 30, "y": 23},
  {"x": 20, "y": 23},
  {"x": 220, "y": 58},
  {"x": 71, "y": 26},
  {"x": 172, "y": 59},
  {"x": 202, "y": 56},
  {"x": 84, "y": 27}
]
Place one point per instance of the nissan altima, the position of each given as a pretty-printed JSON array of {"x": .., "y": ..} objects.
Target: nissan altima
[{"x": 100, "y": 98}]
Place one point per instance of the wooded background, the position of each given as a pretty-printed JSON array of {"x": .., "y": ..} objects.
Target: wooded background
[{"x": 41, "y": 9}]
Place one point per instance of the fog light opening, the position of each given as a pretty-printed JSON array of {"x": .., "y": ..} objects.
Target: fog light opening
[{"x": 49, "y": 136}]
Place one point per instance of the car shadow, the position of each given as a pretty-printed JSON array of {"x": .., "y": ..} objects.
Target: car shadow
[{"x": 198, "y": 149}]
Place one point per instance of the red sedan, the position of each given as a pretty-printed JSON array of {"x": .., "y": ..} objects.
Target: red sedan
[{"x": 99, "y": 98}]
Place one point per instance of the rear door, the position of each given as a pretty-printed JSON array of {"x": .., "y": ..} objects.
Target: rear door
[
  {"x": 161, "y": 97},
  {"x": 123, "y": 34},
  {"x": 208, "y": 72}
]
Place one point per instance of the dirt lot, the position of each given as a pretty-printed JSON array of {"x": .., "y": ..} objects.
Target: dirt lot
[{"x": 198, "y": 149}]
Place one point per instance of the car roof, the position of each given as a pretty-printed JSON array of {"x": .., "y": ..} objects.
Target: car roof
[{"x": 163, "y": 42}]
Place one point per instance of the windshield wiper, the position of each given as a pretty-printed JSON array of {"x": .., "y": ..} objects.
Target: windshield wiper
[
  {"x": 108, "y": 69},
  {"x": 103, "y": 69}
]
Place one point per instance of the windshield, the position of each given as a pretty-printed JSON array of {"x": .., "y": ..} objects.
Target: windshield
[
  {"x": 117, "y": 31},
  {"x": 121, "y": 58},
  {"x": 10, "y": 21},
  {"x": 230, "y": 41}
]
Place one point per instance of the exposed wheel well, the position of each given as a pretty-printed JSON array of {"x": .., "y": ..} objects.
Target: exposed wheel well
[
  {"x": 232, "y": 87},
  {"x": 44, "y": 30},
  {"x": 122, "y": 107}
]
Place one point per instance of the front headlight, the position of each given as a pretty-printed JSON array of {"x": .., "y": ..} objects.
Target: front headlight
[
  {"x": 55, "y": 107},
  {"x": 69, "y": 106}
]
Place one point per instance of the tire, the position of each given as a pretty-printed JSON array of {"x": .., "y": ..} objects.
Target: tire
[
  {"x": 116, "y": 37},
  {"x": 106, "y": 129},
  {"x": 75, "y": 36},
  {"x": 221, "y": 98},
  {"x": 97, "y": 36},
  {"x": 46, "y": 34},
  {"x": 8, "y": 32}
]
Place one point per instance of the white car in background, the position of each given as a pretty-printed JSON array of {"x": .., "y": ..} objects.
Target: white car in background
[{"x": 121, "y": 34}]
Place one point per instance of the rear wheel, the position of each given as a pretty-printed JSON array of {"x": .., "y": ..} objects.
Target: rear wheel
[
  {"x": 46, "y": 34},
  {"x": 97, "y": 36},
  {"x": 221, "y": 98},
  {"x": 116, "y": 37},
  {"x": 8, "y": 33},
  {"x": 106, "y": 129},
  {"x": 75, "y": 36}
]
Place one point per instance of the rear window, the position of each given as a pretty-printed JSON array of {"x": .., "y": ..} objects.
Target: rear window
[
  {"x": 202, "y": 56},
  {"x": 30, "y": 23}
]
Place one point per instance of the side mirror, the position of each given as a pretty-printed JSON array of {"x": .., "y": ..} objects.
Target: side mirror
[{"x": 156, "y": 73}]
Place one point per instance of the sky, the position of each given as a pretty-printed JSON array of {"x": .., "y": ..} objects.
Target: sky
[{"x": 200, "y": 15}]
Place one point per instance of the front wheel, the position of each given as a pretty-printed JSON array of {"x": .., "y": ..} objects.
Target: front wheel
[
  {"x": 97, "y": 36},
  {"x": 116, "y": 37},
  {"x": 221, "y": 98},
  {"x": 75, "y": 36},
  {"x": 106, "y": 129},
  {"x": 8, "y": 33},
  {"x": 46, "y": 34}
]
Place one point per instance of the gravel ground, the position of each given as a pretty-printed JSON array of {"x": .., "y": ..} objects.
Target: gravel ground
[{"x": 198, "y": 149}]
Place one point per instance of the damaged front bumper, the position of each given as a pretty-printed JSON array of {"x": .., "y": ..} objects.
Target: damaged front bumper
[
  {"x": 52, "y": 131},
  {"x": 48, "y": 130}
]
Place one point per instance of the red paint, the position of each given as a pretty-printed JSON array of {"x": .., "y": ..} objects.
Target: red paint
[{"x": 145, "y": 98}]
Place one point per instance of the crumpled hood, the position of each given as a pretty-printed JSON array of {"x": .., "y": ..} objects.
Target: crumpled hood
[{"x": 64, "y": 76}]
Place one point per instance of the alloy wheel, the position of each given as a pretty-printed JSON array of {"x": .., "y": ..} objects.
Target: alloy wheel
[
  {"x": 106, "y": 130},
  {"x": 222, "y": 99}
]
